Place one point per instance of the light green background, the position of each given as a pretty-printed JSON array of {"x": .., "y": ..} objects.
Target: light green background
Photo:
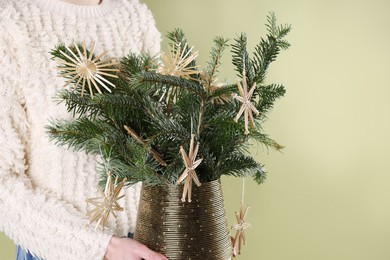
[{"x": 327, "y": 196}]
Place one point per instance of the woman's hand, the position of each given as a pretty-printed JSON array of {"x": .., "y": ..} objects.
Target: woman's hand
[{"x": 129, "y": 249}]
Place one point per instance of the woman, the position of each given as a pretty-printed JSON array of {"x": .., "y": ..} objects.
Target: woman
[{"x": 43, "y": 187}]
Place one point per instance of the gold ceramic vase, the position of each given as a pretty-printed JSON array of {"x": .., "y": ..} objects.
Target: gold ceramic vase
[{"x": 184, "y": 230}]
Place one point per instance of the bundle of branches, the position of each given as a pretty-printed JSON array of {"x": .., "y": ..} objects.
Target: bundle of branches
[{"x": 137, "y": 115}]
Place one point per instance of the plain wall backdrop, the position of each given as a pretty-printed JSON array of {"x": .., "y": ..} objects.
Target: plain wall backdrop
[{"x": 327, "y": 195}]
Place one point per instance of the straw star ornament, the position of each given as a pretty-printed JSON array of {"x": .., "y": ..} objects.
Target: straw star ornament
[
  {"x": 240, "y": 227},
  {"x": 177, "y": 62},
  {"x": 81, "y": 65},
  {"x": 245, "y": 98},
  {"x": 107, "y": 203},
  {"x": 189, "y": 173}
]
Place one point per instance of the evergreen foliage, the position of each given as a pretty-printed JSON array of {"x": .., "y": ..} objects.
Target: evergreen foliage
[{"x": 163, "y": 111}]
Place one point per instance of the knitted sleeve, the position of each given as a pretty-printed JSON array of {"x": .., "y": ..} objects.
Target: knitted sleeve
[
  {"x": 151, "y": 37},
  {"x": 33, "y": 218}
]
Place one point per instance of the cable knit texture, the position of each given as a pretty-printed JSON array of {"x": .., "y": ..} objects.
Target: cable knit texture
[{"x": 43, "y": 187}]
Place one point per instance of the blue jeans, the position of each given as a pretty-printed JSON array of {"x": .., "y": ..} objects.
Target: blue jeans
[{"x": 22, "y": 254}]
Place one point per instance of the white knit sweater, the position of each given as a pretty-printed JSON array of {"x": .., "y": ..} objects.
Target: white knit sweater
[{"x": 43, "y": 187}]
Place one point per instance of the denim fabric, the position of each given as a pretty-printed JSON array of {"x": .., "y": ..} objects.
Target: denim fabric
[{"x": 22, "y": 254}]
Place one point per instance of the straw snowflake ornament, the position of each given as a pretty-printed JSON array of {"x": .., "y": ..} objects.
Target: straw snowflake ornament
[
  {"x": 189, "y": 173},
  {"x": 245, "y": 98},
  {"x": 107, "y": 203},
  {"x": 241, "y": 225}
]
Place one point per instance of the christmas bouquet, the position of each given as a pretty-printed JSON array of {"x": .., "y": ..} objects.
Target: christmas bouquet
[{"x": 165, "y": 121}]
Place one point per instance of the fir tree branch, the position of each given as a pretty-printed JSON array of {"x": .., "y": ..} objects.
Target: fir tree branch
[
  {"x": 240, "y": 165},
  {"x": 240, "y": 58},
  {"x": 266, "y": 141},
  {"x": 259, "y": 174},
  {"x": 215, "y": 57},
  {"x": 268, "y": 49},
  {"x": 134, "y": 171},
  {"x": 165, "y": 80},
  {"x": 133, "y": 64},
  {"x": 177, "y": 36},
  {"x": 80, "y": 134},
  {"x": 278, "y": 31},
  {"x": 76, "y": 104},
  {"x": 152, "y": 152},
  {"x": 267, "y": 96}
]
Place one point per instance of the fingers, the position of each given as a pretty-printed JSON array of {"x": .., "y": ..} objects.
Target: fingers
[
  {"x": 149, "y": 254},
  {"x": 126, "y": 248}
]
